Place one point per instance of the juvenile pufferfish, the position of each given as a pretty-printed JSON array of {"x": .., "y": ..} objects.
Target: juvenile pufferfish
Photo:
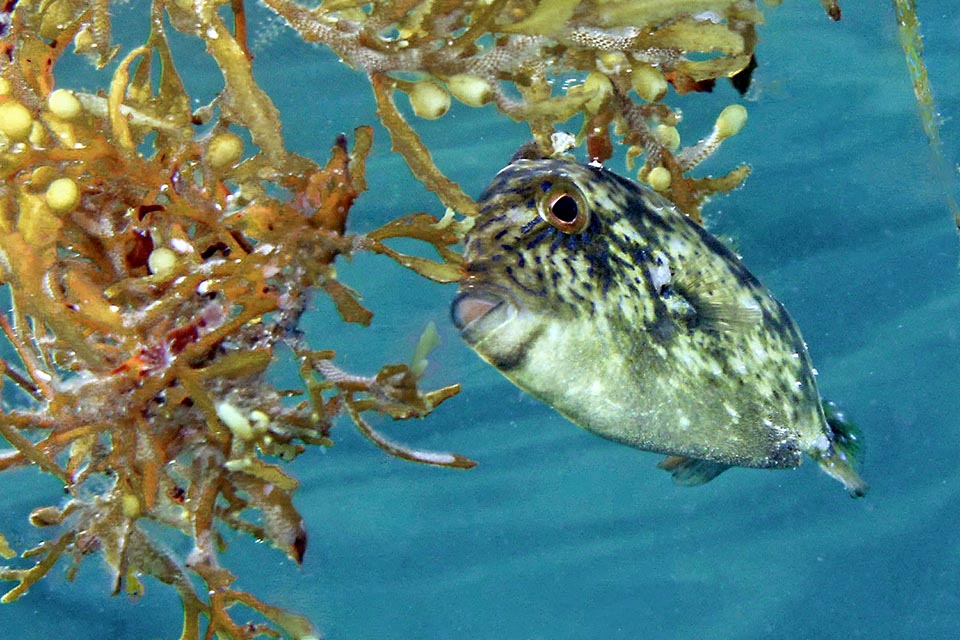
[{"x": 595, "y": 295}]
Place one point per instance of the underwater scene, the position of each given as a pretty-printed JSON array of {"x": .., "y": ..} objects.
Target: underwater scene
[{"x": 519, "y": 525}]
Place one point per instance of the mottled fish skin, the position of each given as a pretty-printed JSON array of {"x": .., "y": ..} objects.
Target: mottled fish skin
[{"x": 640, "y": 326}]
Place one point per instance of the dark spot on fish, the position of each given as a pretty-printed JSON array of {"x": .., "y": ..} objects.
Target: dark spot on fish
[
  {"x": 530, "y": 226},
  {"x": 658, "y": 221},
  {"x": 510, "y": 274},
  {"x": 538, "y": 238},
  {"x": 620, "y": 261},
  {"x": 489, "y": 221},
  {"x": 777, "y": 322},
  {"x": 785, "y": 455},
  {"x": 557, "y": 240},
  {"x": 664, "y": 329}
]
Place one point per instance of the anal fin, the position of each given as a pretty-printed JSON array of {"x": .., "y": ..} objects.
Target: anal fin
[{"x": 690, "y": 472}]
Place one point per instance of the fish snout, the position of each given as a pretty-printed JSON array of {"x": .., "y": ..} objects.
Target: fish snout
[
  {"x": 479, "y": 310},
  {"x": 495, "y": 324}
]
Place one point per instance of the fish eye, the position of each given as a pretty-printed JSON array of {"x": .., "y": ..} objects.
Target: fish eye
[
  {"x": 564, "y": 208},
  {"x": 563, "y": 205}
]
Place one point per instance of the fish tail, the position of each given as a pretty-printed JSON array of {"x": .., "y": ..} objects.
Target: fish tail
[{"x": 841, "y": 460}]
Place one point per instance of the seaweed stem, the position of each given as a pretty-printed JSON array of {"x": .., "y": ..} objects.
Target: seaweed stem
[{"x": 908, "y": 26}]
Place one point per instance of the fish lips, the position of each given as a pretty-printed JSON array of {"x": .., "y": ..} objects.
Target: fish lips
[{"x": 478, "y": 311}]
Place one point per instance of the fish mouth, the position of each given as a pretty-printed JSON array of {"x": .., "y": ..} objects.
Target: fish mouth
[{"x": 478, "y": 311}]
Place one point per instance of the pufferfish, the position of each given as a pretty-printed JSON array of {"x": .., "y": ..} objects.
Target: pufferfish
[{"x": 597, "y": 296}]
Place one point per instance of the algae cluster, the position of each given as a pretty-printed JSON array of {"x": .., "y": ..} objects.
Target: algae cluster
[{"x": 157, "y": 268}]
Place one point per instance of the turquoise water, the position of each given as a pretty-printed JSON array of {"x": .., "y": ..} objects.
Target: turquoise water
[{"x": 559, "y": 534}]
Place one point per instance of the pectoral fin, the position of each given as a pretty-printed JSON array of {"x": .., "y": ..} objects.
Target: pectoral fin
[
  {"x": 718, "y": 305},
  {"x": 690, "y": 472}
]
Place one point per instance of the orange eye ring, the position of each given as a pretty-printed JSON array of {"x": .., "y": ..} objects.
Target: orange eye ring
[{"x": 564, "y": 207}]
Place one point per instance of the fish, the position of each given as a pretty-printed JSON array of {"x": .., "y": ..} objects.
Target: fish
[{"x": 596, "y": 295}]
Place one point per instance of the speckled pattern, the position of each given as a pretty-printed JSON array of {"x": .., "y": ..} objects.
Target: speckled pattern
[{"x": 642, "y": 327}]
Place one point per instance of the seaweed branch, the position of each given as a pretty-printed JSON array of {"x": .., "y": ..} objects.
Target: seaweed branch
[
  {"x": 150, "y": 292},
  {"x": 520, "y": 56},
  {"x": 912, "y": 43}
]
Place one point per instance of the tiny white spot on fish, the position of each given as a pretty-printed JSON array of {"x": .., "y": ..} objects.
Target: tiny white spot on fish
[
  {"x": 738, "y": 365},
  {"x": 822, "y": 443},
  {"x": 679, "y": 247},
  {"x": 659, "y": 273},
  {"x": 759, "y": 350},
  {"x": 733, "y": 413},
  {"x": 688, "y": 357}
]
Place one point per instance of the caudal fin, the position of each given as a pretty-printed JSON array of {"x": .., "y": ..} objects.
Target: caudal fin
[{"x": 841, "y": 459}]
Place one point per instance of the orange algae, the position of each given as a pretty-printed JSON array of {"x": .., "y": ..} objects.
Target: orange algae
[
  {"x": 149, "y": 293},
  {"x": 546, "y": 63}
]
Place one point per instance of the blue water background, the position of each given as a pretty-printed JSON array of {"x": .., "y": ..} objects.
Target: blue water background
[{"x": 557, "y": 533}]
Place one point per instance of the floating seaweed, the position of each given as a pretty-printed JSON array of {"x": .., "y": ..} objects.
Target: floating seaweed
[
  {"x": 517, "y": 54},
  {"x": 156, "y": 267},
  {"x": 908, "y": 26}
]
